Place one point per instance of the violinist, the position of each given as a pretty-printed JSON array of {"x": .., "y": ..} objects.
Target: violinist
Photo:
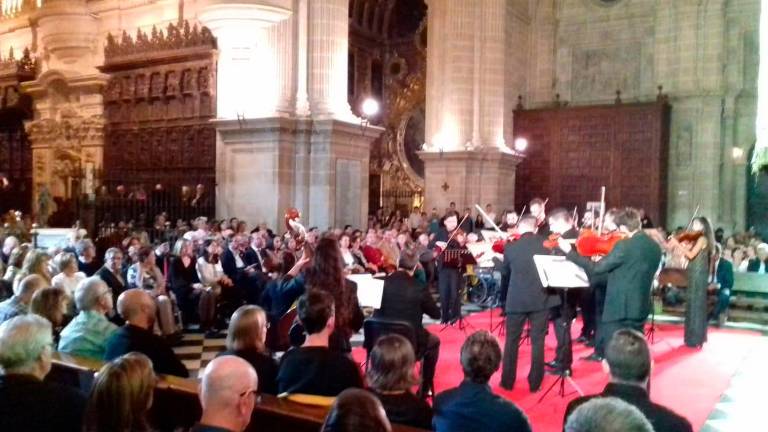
[
  {"x": 698, "y": 247},
  {"x": 537, "y": 208},
  {"x": 509, "y": 224},
  {"x": 630, "y": 268},
  {"x": 561, "y": 226},
  {"x": 449, "y": 278}
]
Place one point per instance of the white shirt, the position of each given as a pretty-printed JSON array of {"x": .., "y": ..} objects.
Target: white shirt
[
  {"x": 67, "y": 283},
  {"x": 208, "y": 273}
]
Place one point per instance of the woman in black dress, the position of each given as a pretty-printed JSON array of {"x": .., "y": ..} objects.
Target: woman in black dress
[
  {"x": 197, "y": 303},
  {"x": 246, "y": 339}
]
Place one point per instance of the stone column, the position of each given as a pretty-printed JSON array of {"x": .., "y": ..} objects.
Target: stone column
[{"x": 466, "y": 156}]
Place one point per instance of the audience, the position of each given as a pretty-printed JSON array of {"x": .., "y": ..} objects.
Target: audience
[
  {"x": 51, "y": 304},
  {"x": 356, "y": 410},
  {"x": 608, "y": 414},
  {"x": 121, "y": 396},
  {"x": 86, "y": 257},
  {"x": 472, "y": 405},
  {"x": 15, "y": 262},
  {"x": 144, "y": 274},
  {"x": 313, "y": 368},
  {"x": 197, "y": 302},
  {"x": 406, "y": 299},
  {"x": 18, "y": 304},
  {"x": 111, "y": 272},
  {"x": 27, "y": 402},
  {"x": 87, "y": 334},
  {"x": 228, "y": 393},
  {"x": 628, "y": 360},
  {"x": 138, "y": 309},
  {"x": 35, "y": 263},
  {"x": 246, "y": 339},
  {"x": 69, "y": 276},
  {"x": 9, "y": 244},
  {"x": 390, "y": 376}
]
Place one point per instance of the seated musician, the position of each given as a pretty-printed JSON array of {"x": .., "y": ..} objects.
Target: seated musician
[{"x": 405, "y": 299}]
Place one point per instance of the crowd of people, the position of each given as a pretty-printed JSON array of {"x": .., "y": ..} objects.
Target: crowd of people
[{"x": 151, "y": 284}]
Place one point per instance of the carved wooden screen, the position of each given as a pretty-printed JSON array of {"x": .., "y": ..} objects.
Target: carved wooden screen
[
  {"x": 158, "y": 105},
  {"x": 572, "y": 152}
]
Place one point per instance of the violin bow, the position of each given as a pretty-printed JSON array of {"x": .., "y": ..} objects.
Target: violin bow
[
  {"x": 602, "y": 210},
  {"x": 452, "y": 235},
  {"x": 695, "y": 213},
  {"x": 521, "y": 215},
  {"x": 488, "y": 218},
  {"x": 575, "y": 217}
]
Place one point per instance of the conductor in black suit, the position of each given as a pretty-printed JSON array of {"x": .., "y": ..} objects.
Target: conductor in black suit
[
  {"x": 406, "y": 299},
  {"x": 630, "y": 268},
  {"x": 527, "y": 300}
]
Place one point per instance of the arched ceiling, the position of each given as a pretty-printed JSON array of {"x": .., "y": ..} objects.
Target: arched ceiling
[{"x": 387, "y": 19}]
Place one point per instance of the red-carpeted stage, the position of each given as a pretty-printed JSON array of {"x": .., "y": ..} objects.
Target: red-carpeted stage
[{"x": 687, "y": 380}]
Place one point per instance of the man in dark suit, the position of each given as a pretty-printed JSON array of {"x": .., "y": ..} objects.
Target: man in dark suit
[
  {"x": 244, "y": 265},
  {"x": 629, "y": 362},
  {"x": 138, "y": 309},
  {"x": 27, "y": 402},
  {"x": 527, "y": 300},
  {"x": 630, "y": 269},
  {"x": 472, "y": 406},
  {"x": 449, "y": 278},
  {"x": 405, "y": 299},
  {"x": 111, "y": 274},
  {"x": 759, "y": 264},
  {"x": 724, "y": 282}
]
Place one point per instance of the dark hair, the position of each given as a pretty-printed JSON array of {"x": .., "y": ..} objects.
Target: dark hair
[
  {"x": 408, "y": 260},
  {"x": 528, "y": 220},
  {"x": 391, "y": 364},
  {"x": 356, "y": 410},
  {"x": 536, "y": 201},
  {"x": 629, "y": 218},
  {"x": 628, "y": 356},
  {"x": 46, "y": 302},
  {"x": 144, "y": 253},
  {"x": 480, "y": 357},
  {"x": 326, "y": 273},
  {"x": 708, "y": 234},
  {"x": 121, "y": 395},
  {"x": 450, "y": 213},
  {"x": 315, "y": 308},
  {"x": 561, "y": 214}
]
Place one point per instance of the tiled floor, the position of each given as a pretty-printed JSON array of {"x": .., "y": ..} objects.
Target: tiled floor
[{"x": 740, "y": 409}]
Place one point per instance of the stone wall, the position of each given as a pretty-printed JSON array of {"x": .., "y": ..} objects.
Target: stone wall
[{"x": 704, "y": 54}]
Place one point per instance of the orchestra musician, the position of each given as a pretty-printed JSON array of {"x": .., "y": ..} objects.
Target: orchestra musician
[
  {"x": 561, "y": 225},
  {"x": 449, "y": 277},
  {"x": 527, "y": 300},
  {"x": 537, "y": 208},
  {"x": 630, "y": 268}
]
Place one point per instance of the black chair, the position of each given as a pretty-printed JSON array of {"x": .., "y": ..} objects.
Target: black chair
[{"x": 374, "y": 328}]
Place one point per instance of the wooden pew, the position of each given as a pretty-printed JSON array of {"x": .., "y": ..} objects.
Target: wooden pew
[{"x": 176, "y": 402}]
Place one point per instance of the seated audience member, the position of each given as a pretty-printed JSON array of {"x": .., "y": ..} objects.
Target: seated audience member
[
  {"x": 390, "y": 377},
  {"x": 405, "y": 299},
  {"x": 9, "y": 244},
  {"x": 86, "y": 257},
  {"x": 608, "y": 414},
  {"x": 87, "y": 334},
  {"x": 18, "y": 304},
  {"x": 51, "y": 304},
  {"x": 313, "y": 368},
  {"x": 15, "y": 262},
  {"x": 724, "y": 282},
  {"x": 759, "y": 263},
  {"x": 145, "y": 275},
  {"x": 211, "y": 274},
  {"x": 628, "y": 360},
  {"x": 27, "y": 403},
  {"x": 121, "y": 395},
  {"x": 111, "y": 272},
  {"x": 69, "y": 277},
  {"x": 246, "y": 339},
  {"x": 197, "y": 302},
  {"x": 138, "y": 310},
  {"x": 36, "y": 262},
  {"x": 472, "y": 405},
  {"x": 356, "y": 410},
  {"x": 228, "y": 394}
]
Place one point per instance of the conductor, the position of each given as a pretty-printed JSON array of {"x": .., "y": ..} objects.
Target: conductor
[{"x": 527, "y": 300}]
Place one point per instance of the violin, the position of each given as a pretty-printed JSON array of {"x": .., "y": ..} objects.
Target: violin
[
  {"x": 551, "y": 241},
  {"x": 689, "y": 236},
  {"x": 590, "y": 243},
  {"x": 499, "y": 245}
]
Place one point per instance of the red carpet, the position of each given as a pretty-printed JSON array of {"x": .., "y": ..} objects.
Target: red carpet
[{"x": 689, "y": 381}]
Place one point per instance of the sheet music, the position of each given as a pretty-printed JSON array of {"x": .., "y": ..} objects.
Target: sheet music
[
  {"x": 557, "y": 272},
  {"x": 369, "y": 290}
]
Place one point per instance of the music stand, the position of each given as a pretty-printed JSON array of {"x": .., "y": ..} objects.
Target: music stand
[
  {"x": 459, "y": 258},
  {"x": 557, "y": 272}
]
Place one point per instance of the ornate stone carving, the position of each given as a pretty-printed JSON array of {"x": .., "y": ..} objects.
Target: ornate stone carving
[
  {"x": 174, "y": 38},
  {"x": 26, "y": 66}
]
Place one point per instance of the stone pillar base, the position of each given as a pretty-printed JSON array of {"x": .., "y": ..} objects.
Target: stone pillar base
[
  {"x": 264, "y": 166},
  {"x": 470, "y": 177}
]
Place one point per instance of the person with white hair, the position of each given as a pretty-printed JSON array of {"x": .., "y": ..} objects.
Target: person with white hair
[
  {"x": 18, "y": 304},
  {"x": 759, "y": 264},
  {"x": 9, "y": 244},
  {"x": 86, "y": 257},
  {"x": 228, "y": 394},
  {"x": 607, "y": 414},
  {"x": 27, "y": 403},
  {"x": 86, "y": 335}
]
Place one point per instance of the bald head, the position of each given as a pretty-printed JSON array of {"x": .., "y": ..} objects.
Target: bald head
[
  {"x": 226, "y": 393},
  {"x": 137, "y": 307}
]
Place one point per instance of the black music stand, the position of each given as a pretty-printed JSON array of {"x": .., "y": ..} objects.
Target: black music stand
[
  {"x": 458, "y": 258},
  {"x": 558, "y": 273}
]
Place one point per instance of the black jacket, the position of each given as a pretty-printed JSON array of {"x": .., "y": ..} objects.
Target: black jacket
[
  {"x": 525, "y": 292},
  {"x": 30, "y": 405},
  {"x": 405, "y": 299},
  {"x": 754, "y": 265},
  {"x": 631, "y": 267},
  {"x": 112, "y": 282},
  {"x": 474, "y": 407},
  {"x": 131, "y": 338},
  {"x": 662, "y": 419}
]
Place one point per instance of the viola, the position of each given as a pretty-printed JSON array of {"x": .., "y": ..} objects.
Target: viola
[{"x": 591, "y": 244}]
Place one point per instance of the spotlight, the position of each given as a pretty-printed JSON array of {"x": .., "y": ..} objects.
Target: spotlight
[
  {"x": 737, "y": 153},
  {"x": 521, "y": 144},
  {"x": 370, "y": 107}
]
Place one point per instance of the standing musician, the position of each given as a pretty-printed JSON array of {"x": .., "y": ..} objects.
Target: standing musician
[
  {"x": 630, "y": 268},
  {"x": 561, "y": 226},
  {"x": 449, "y": 277},
  {"x": 537, "y": 208},
  {"x": 527, "y": 300}
]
